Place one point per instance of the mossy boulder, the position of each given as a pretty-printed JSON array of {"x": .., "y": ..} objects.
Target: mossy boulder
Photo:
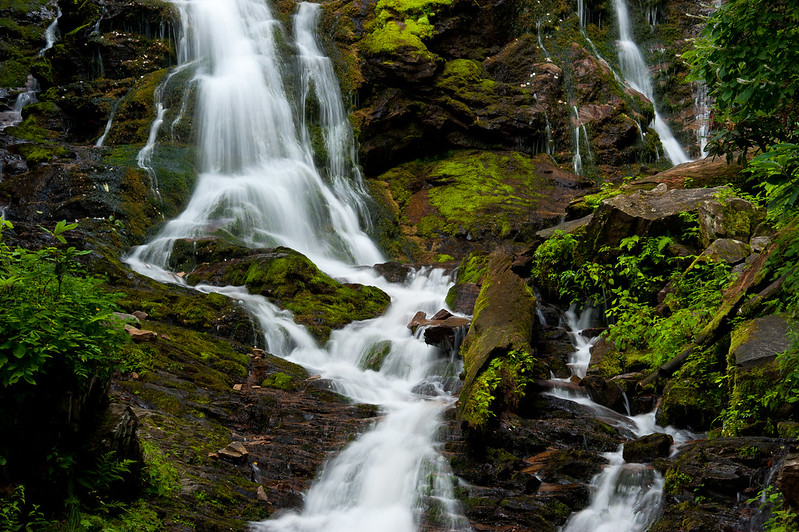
[
  {"x": 471, "y": 199},
  {"x": 292, "y": 281},
  {"x": 497, "y": 355}
]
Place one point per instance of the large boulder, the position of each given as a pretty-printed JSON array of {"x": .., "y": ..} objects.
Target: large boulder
[
  {"x": 500, "y": 336},
  {"x": 645, "y": 213},
  {"x": 292, "y": 281}
]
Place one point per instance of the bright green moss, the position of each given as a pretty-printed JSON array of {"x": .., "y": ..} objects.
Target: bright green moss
[
  {"x": 484, "y": 189},
  {"x": 280, "y": 381}
]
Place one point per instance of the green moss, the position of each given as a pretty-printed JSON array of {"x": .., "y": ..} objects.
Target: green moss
[
  {"x": 41, "y": 153},
  {"x": 316, "y": 300},
  {"x": 395, "y": 37},
  {"x": 280, "y": 381},
  {"x": 676, "y": 481},
  {"x": 484, "y": 190}
]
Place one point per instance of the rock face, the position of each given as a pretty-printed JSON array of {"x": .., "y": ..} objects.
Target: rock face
[{"x": 715, "y": 478}]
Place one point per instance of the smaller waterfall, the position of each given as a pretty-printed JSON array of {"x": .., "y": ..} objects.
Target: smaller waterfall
[
  {"x": 550, "y": 142},
  {"x": 50, "y": 34},
  {"x": 547, "y": 57},
  {"x": 110, "y": 122},
  {"x": 702, "y": 106},
  {"x": 145, "y": 157},
  {"x": 636, "y": 73},
  {"x": 581, "y": 13},
  {"x": 625, "y": 497},
  {"x": 577, "y": 160}
]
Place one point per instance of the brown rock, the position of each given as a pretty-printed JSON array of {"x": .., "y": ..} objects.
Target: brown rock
[
  {"x": 140, "y": 335},
  {"x": 261, "y": 494},
  {"x": 235, "y": 451}
]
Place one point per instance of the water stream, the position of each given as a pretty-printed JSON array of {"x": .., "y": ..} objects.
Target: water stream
[
  {"x": 259, "y": 183},
  {"x": 625, "y": 497},
  {"x": 636, "y": 73}
]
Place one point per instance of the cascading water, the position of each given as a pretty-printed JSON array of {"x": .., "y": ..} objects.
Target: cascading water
[
  {"x": 625, "y": 497},
  {"x": 28, "y": 96},
  {"x": 258, "y": 183},
  {"x": 636, "y": 73},
  {"x": 578, "y": 127}
]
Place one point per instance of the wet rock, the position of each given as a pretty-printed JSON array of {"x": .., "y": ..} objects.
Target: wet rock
[
  {"x": 289, "y": 279},
  {"x": 463, "y": 296},
  {"x": 443, "y": 330},
  {"x": 504, "y": 324},
  {"x": 394, "y": 272},
  {"x": 605, "y": 393},
  {"x": 648, "y": 448}
]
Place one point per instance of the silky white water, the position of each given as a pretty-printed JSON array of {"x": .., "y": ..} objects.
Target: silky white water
[
  {"x": 625, "y": 497},
  {"x": 636, "y": 73},
  {"x": 258, "y": 182}
]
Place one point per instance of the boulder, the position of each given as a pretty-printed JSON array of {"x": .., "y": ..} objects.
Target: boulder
[
  {"x": 290, "y": 280},
  {"x": 443, "y": 330},
  {"x": 648, "y": 448},
  {"x": 503, "y": 323},
  {"x": 759, "y": 341},
  {"x": 729, "y": 218},
  {"x": 644, "y": 213},
  {"x": 727, "y": 250}
]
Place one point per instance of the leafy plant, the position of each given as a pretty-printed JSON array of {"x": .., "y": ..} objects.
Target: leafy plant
[
  {"x": 53, "y": 315},
  {"x": 781, "y": 518},
  {"x": 17, "y": 516}
]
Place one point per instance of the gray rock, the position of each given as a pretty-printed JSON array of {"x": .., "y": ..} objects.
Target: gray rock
[
  {"x": 727, "y": 250},
  {"x": 760, "y": 340},
  {"x": 728, "y": 218}
]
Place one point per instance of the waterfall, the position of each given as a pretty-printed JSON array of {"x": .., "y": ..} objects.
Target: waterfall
[
  {"x": 625, "y": 497},
  {"x": 28, "y": 96},
  {"x": 636, "y": 73},
  {"x": 51, "y": 34},
  {"x": 547, "y": 57},
  {"x": 259, "y": 182},
  {"x": 577, "y": 160}
]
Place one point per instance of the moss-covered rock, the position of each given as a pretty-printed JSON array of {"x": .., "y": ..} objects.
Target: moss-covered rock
[
  {"x": 291, "y": 280},
  {"x": 497, "y": 355},
  {"x": 481, "y": 197}
]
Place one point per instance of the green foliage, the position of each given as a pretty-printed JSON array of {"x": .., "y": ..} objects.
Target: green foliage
[
  {"x": 161, "y": 477},
  {"x": 781, "y": 517},
  {"x": 505, "y": 379},
  {"x": 776, "y": 173},
  {"x": 17, "y": 516},
  {"x": 748, "y": 54},
  {"x": 551, "y": 258},
  {"x": 53, "y": 316},
  {"x": 693, "y": 297},
  {"x": 98, "y": 481}
]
